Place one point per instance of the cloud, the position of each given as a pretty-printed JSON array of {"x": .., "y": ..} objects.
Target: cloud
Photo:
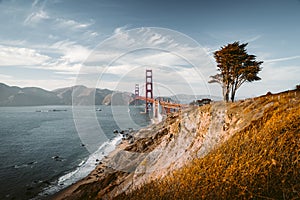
[
  {"x": 281, "y": 59},
  {"x": 271, "y": 72},
  {"x": 13, "y": 42},
  {"x": 61, "y": 67},
  {"x": 132, "y": 52},
  {"x": 71, "y": 51},
  {"x": 52, "y": 37},
  {"x": 274, "y": 79},
  {"x": 55, "y": 82},
  {"x": 72, "y": 23},
  {"x": 252, "y": 39},
  {"x": 36, "y": 17},
  {"x": 167, "y": 79},
  {"x": 35, "y": 3},
  {"x": 4, "y": 77},
  {"x": 37, "y": 14},
  {"x": 121, "y": 29},
  {"x": 20, "y": 56},
  {"x": 177, "y": 61},
  {"x": 68, "y": 59},
  {"x": 91, "y": 34}
]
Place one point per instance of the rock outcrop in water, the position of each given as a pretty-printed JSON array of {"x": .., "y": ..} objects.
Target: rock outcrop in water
[{"x": 233, "y": 150}]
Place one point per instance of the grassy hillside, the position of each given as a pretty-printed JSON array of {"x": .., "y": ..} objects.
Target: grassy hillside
[{"x": 260, "y": 161}]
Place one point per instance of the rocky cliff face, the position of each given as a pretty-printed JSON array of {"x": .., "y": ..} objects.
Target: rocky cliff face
[{"x": 181, "y": 138}]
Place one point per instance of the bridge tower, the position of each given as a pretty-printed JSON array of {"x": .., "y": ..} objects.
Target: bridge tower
[
  {"x": 149, "y": 89},
  {"x": 136, "y": 92}
]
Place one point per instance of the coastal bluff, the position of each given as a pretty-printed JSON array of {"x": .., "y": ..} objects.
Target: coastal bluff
[{"x": 246, "y": 149}]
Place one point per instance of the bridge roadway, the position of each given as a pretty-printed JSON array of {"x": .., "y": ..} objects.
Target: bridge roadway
[{"x": 164, "y": 104}]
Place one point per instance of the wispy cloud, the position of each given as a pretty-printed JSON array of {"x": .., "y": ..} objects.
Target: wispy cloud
[
  {"x": 35, "y": 3},
  {"x": 70, "y": 23},
  {"x": 177, "y": 61},
  {"x": 37, "y": 13},
  {"x": 252, "y": 39},
  {"x": 281, "y": 59},
  {"x": 91, "y": 34},
  {"x": 36, "y": 17}
]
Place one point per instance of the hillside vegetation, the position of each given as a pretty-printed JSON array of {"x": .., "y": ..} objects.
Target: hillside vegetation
[{"x": 260, "y": 160}]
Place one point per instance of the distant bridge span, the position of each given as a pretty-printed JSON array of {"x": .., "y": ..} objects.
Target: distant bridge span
[
  {"x": 167, "y": 107},
  {"x": 164, "y": 104}
]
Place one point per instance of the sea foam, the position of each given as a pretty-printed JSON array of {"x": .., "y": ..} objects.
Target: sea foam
[{"x": 83, "y": 169}]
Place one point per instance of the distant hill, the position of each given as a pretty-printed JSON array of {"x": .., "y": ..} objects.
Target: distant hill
[
  {"x": 82, "y": 95},
  {"x": 118, "y": 98},
  {"x": 77, "y": 95},
  {"x": 30, "y": 96}
]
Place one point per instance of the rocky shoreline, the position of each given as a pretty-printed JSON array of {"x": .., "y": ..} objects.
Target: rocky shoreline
[
  {"x": 160, "y": 149},
  {"x": 105, "y": 173},
  {"x": 156, "y": 150}
]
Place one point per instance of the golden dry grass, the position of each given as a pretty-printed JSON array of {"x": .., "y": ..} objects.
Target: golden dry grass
[{"x": 261, "y": 161}]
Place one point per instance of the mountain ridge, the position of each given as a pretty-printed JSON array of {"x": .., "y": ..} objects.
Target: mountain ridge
[
  {"x": 75, "y": 95},
  {"x": 35, "y": 96}
]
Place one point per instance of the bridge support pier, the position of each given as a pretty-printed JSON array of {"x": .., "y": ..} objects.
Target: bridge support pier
[{"x": 149, "y": 90}]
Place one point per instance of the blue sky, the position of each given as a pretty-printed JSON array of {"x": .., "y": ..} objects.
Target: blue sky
[{"x": 53, "y": 44}]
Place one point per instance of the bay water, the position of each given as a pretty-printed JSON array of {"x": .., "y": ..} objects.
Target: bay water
[{"x": 43, "y": 149}]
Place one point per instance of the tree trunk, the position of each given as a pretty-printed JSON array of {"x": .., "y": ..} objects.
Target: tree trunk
[
  {"x": 226, "y": 93},
  {"x": 227, "y": 97},
  {"x": 233, "y": 91},
  {"x": 233, "y": 95}
]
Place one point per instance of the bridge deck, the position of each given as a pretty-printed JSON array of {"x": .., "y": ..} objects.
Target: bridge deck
[{"x": 164, "y": 104}]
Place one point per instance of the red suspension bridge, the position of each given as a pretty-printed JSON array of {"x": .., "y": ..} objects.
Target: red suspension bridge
[{"x": 154, "y": 103}]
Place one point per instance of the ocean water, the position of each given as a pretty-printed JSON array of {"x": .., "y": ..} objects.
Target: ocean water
[{"x": 46, "y": 148}]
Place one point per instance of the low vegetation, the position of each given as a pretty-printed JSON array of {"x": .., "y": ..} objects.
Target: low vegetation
[{"x": 261, "y": 161}]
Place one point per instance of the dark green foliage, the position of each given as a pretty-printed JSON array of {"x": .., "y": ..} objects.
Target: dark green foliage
[{"x": 235, "y": 67}]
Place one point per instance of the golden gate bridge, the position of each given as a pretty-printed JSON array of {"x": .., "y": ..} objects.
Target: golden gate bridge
[{"x": 154, "y": 103}]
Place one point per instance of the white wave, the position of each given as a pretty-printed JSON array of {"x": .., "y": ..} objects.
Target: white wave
[
  {"x": 25, "y": 165},
  {"x": 84, "y": 168}
]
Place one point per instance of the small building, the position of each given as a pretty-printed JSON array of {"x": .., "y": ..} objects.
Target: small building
[{"x": 201, "y": 102}]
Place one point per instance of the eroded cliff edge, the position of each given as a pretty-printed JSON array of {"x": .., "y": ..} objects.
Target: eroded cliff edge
[{"x": 179, "y": 140}]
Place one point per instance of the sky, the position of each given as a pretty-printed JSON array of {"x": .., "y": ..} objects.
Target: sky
[{"x": 110, "y": 43}]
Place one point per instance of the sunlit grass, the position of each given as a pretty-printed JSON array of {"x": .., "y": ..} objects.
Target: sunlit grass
[{"x": 261, "y": 161}]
